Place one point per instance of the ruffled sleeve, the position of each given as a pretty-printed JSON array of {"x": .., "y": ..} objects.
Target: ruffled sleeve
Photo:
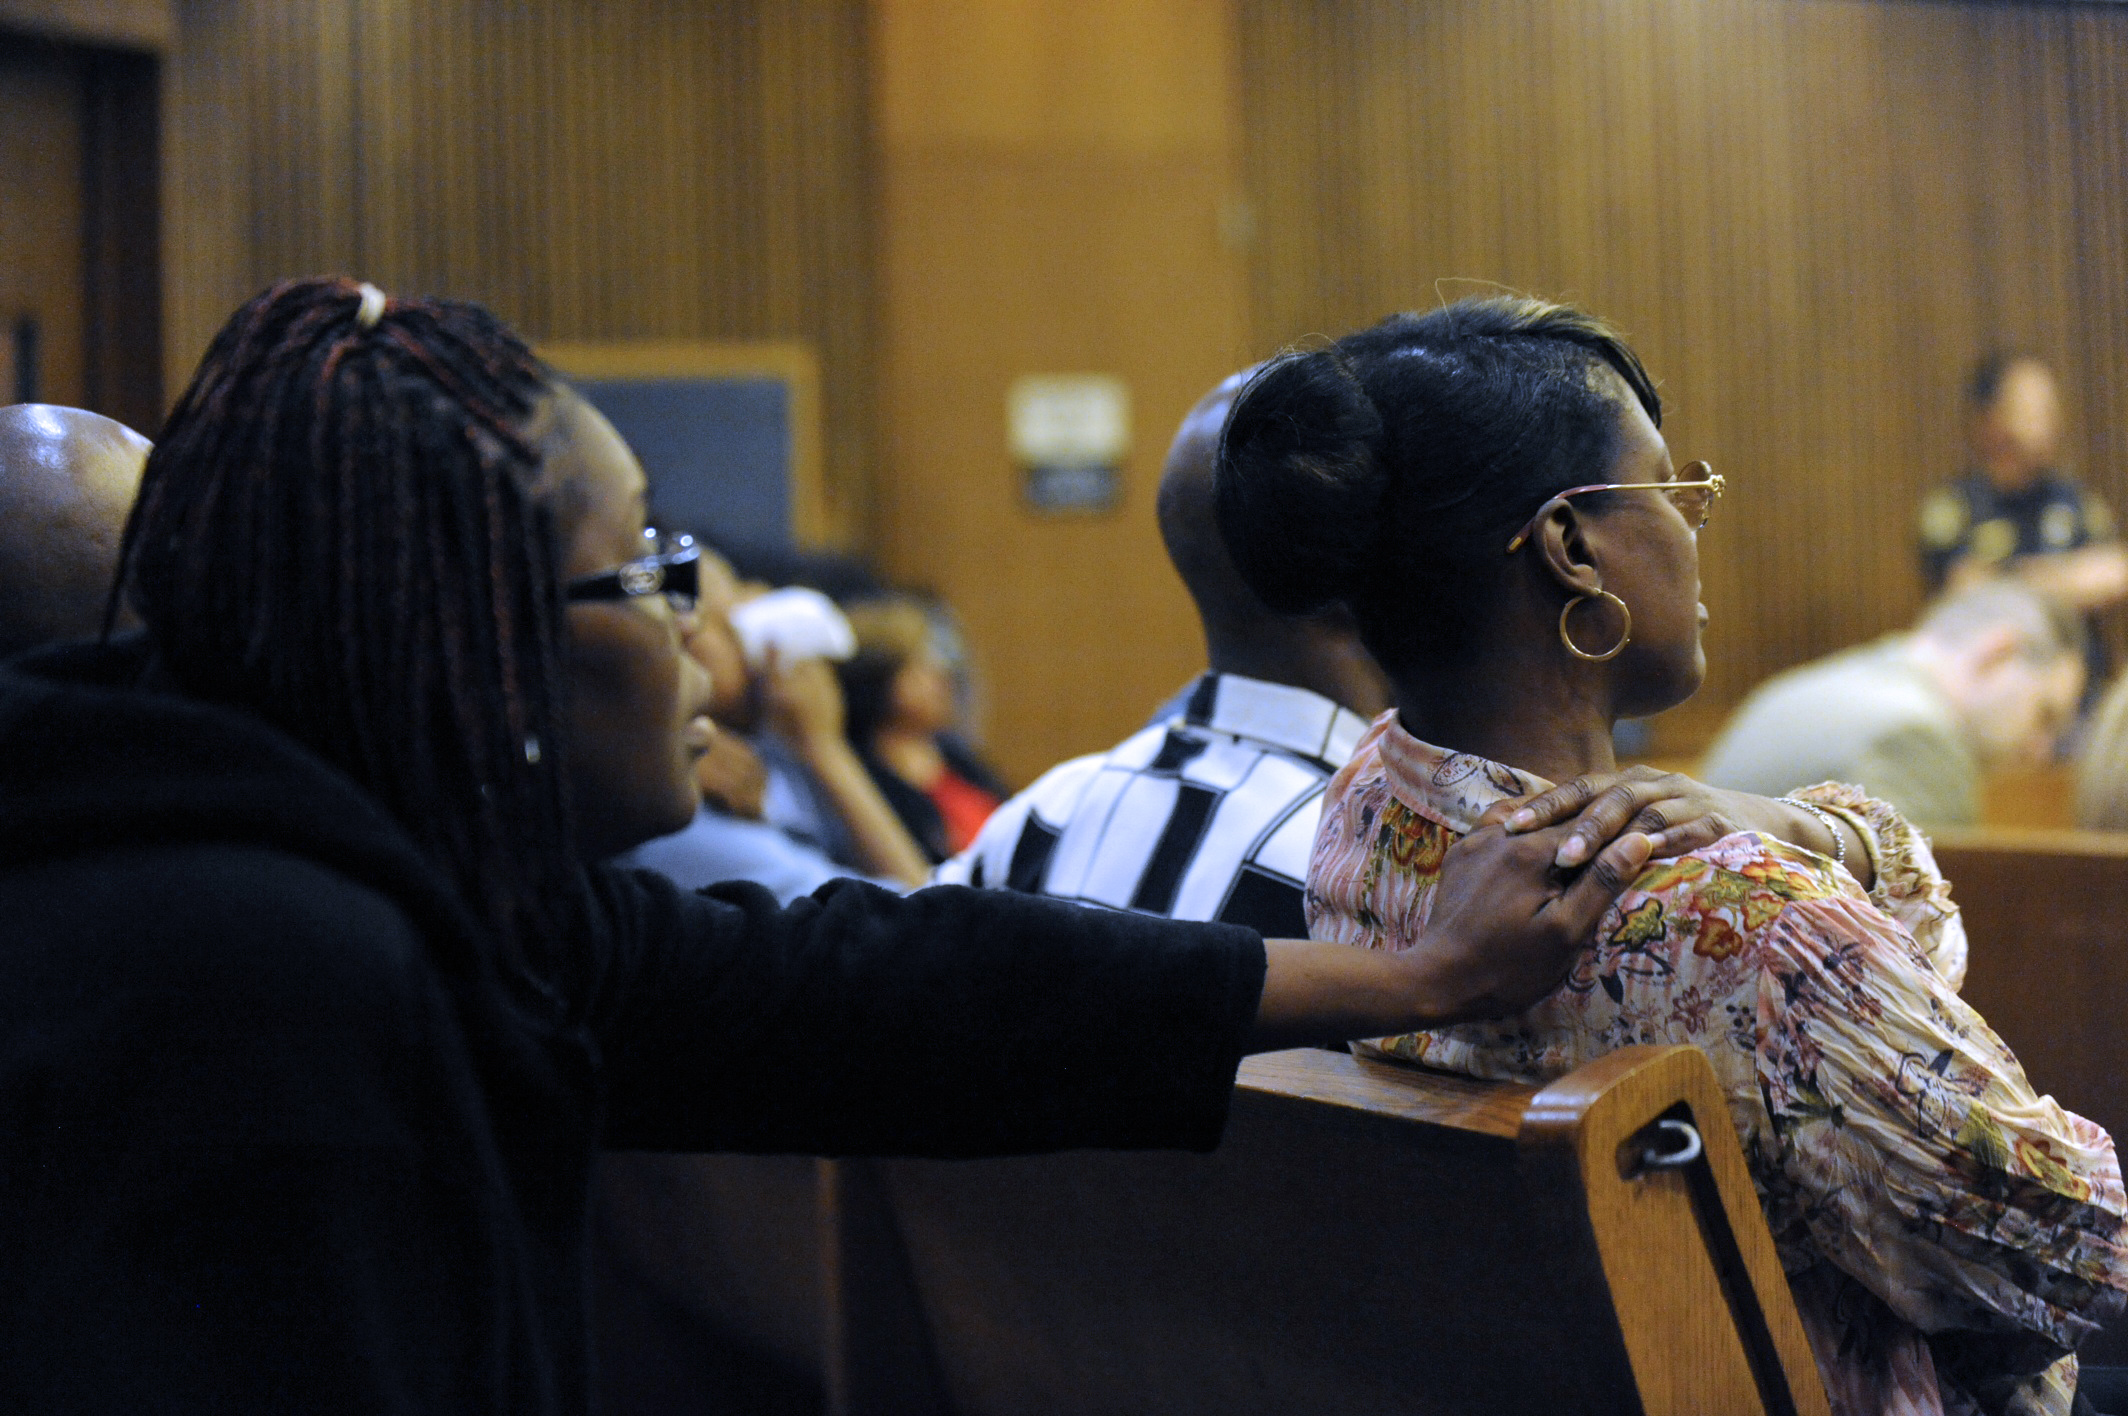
[
  {"x": 1909, "y": 887},
  {"x": 1909, "y": 1146}
]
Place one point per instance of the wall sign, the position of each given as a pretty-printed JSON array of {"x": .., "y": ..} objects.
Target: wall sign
[
  {"x": 1069, "y": 434},
  {"x": 728, "y": 432}
]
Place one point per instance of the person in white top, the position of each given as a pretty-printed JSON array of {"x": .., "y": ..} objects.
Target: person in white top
[{"x": 1207, "y": 814}]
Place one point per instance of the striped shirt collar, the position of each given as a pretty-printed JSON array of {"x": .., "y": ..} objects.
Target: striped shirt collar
[{"x": 1277, "y": 715}]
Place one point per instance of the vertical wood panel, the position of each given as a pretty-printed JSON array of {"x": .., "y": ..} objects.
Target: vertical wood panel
[
  {"x": 646, "y": 168},
  {"x": 1053, "y": 174},
  {"x": 1812, "y": 216}
]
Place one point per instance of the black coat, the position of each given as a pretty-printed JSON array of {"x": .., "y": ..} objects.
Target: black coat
[{"x": 272, "y": 1138}]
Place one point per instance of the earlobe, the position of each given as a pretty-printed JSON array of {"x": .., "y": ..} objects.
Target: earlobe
[{"x": 1569, "y": 558}]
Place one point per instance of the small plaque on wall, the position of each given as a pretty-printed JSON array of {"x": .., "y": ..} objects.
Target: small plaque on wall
[
  {"x": 1069, "y": 434},
  {"x": 1093, "y": 488}
]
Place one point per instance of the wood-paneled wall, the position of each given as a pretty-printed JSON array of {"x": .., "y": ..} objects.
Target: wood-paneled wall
[
  {"x": 1053, "y": 174},
  {"x": 638, "y": 168},
  {"x": 1812, "y": 216}
]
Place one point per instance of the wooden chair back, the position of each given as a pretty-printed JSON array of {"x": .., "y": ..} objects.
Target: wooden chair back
[
  {"x": 1368, "y": 1237},
  {"x": 2046, "y": 922}
]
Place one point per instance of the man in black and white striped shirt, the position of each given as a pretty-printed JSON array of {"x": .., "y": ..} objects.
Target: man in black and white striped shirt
[{"x": 1211, "y": 812}]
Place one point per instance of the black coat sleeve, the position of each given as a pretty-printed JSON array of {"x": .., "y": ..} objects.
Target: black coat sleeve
[{"x": 950, "y": 1022}]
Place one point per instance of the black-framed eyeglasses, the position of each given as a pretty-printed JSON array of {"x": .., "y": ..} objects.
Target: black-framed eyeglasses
[{"x": 674, "y": 571}]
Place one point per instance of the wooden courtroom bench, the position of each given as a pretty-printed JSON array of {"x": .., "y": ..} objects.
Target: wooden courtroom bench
[
  {"x": 2046, "y": 922},
  {"x": 2030, "y": 797},
  {"x": 1368, "y": 1237},
  {"x": 707, "y": 1284},
  {"x": 1366, "y": 1231}
]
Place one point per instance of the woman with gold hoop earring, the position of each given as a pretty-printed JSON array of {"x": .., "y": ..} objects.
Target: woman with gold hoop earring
[{"x": 1486, "y": 488}]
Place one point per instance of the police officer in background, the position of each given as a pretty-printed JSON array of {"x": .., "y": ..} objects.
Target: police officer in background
[{"x": 2016, "y": 512}]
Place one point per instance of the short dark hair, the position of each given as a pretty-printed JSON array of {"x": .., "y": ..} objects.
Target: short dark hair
[
  {"x": 891, "y": 630},
  {"x": 1984, "y": 385},
  {"x": 339, "y": 532},
  {"x": 1387, "y": 471}
]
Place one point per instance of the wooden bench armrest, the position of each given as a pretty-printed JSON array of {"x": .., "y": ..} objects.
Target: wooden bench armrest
[
  {"x": 1659, "y": 1241},
  {"x": 1582, "y": 1139},
  {"x": 1388, "y": 1089}
]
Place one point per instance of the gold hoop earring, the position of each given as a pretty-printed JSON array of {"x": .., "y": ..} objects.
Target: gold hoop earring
[{"x": 1625, "y": 636}]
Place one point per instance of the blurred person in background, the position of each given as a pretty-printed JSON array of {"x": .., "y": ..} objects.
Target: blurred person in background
[
  {"x": 902, "y": 710},
  {"x": 1989, "y": 678},
  {"x": 67, "y": 480},
  {"x": 842, "y": 578},
  {"x": 794, "y": 710},
  {"x": 2017, "y": 511},
  {"x": 2102, "y": 766}
]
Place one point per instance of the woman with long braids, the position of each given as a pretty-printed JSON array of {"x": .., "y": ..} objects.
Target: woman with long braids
[{"x": 312, "y": 1014}]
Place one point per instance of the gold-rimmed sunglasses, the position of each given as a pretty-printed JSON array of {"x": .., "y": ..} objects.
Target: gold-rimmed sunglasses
[{"x": 1693, "y": 496}]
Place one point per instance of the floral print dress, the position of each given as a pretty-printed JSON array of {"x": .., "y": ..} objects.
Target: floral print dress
[{"x": 1914, "y": 1183}]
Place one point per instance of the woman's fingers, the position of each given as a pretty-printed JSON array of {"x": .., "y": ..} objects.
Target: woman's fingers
[
  {"x": 1520, "y": 927},
  {"x": 1642, "y": 804},
  {"x": 1570, "y": 799},
  {"x": 1677, "y": 813},
  {"x": 1579, "y": 908},
  {"x": 1701, "y": 829},
  {"x": 1550, "y": 807}
]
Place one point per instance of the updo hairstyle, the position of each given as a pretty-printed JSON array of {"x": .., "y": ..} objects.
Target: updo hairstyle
[{"x": 1387, "y": 471}]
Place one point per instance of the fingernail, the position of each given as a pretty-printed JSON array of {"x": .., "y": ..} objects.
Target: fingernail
[
  {"x": 1522, "y": 820},
  {"x": 1574, "y": 852}
]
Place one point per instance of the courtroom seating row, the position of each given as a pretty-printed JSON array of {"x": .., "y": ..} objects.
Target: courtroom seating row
[
  {"x": 1368, "y": 1236},
  {"x": 933, "y": 1286}
]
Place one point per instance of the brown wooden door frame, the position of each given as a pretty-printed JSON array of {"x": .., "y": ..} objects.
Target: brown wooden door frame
[
  {"x": 121, "y": 211},
  {"x": 119, "y": 93}
]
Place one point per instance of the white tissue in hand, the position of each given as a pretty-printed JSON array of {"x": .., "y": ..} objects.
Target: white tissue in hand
[{"x": 797, "y": 623}]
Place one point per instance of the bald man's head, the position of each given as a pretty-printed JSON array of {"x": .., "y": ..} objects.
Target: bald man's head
[
  {"x": 1188, "y": 522},
  {"x": 1243, "y": 635},
  {"x": 67, "y": 481}
]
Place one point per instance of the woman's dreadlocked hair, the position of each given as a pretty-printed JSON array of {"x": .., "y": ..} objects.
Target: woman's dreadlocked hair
[{"x": 338, "y": 531}]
